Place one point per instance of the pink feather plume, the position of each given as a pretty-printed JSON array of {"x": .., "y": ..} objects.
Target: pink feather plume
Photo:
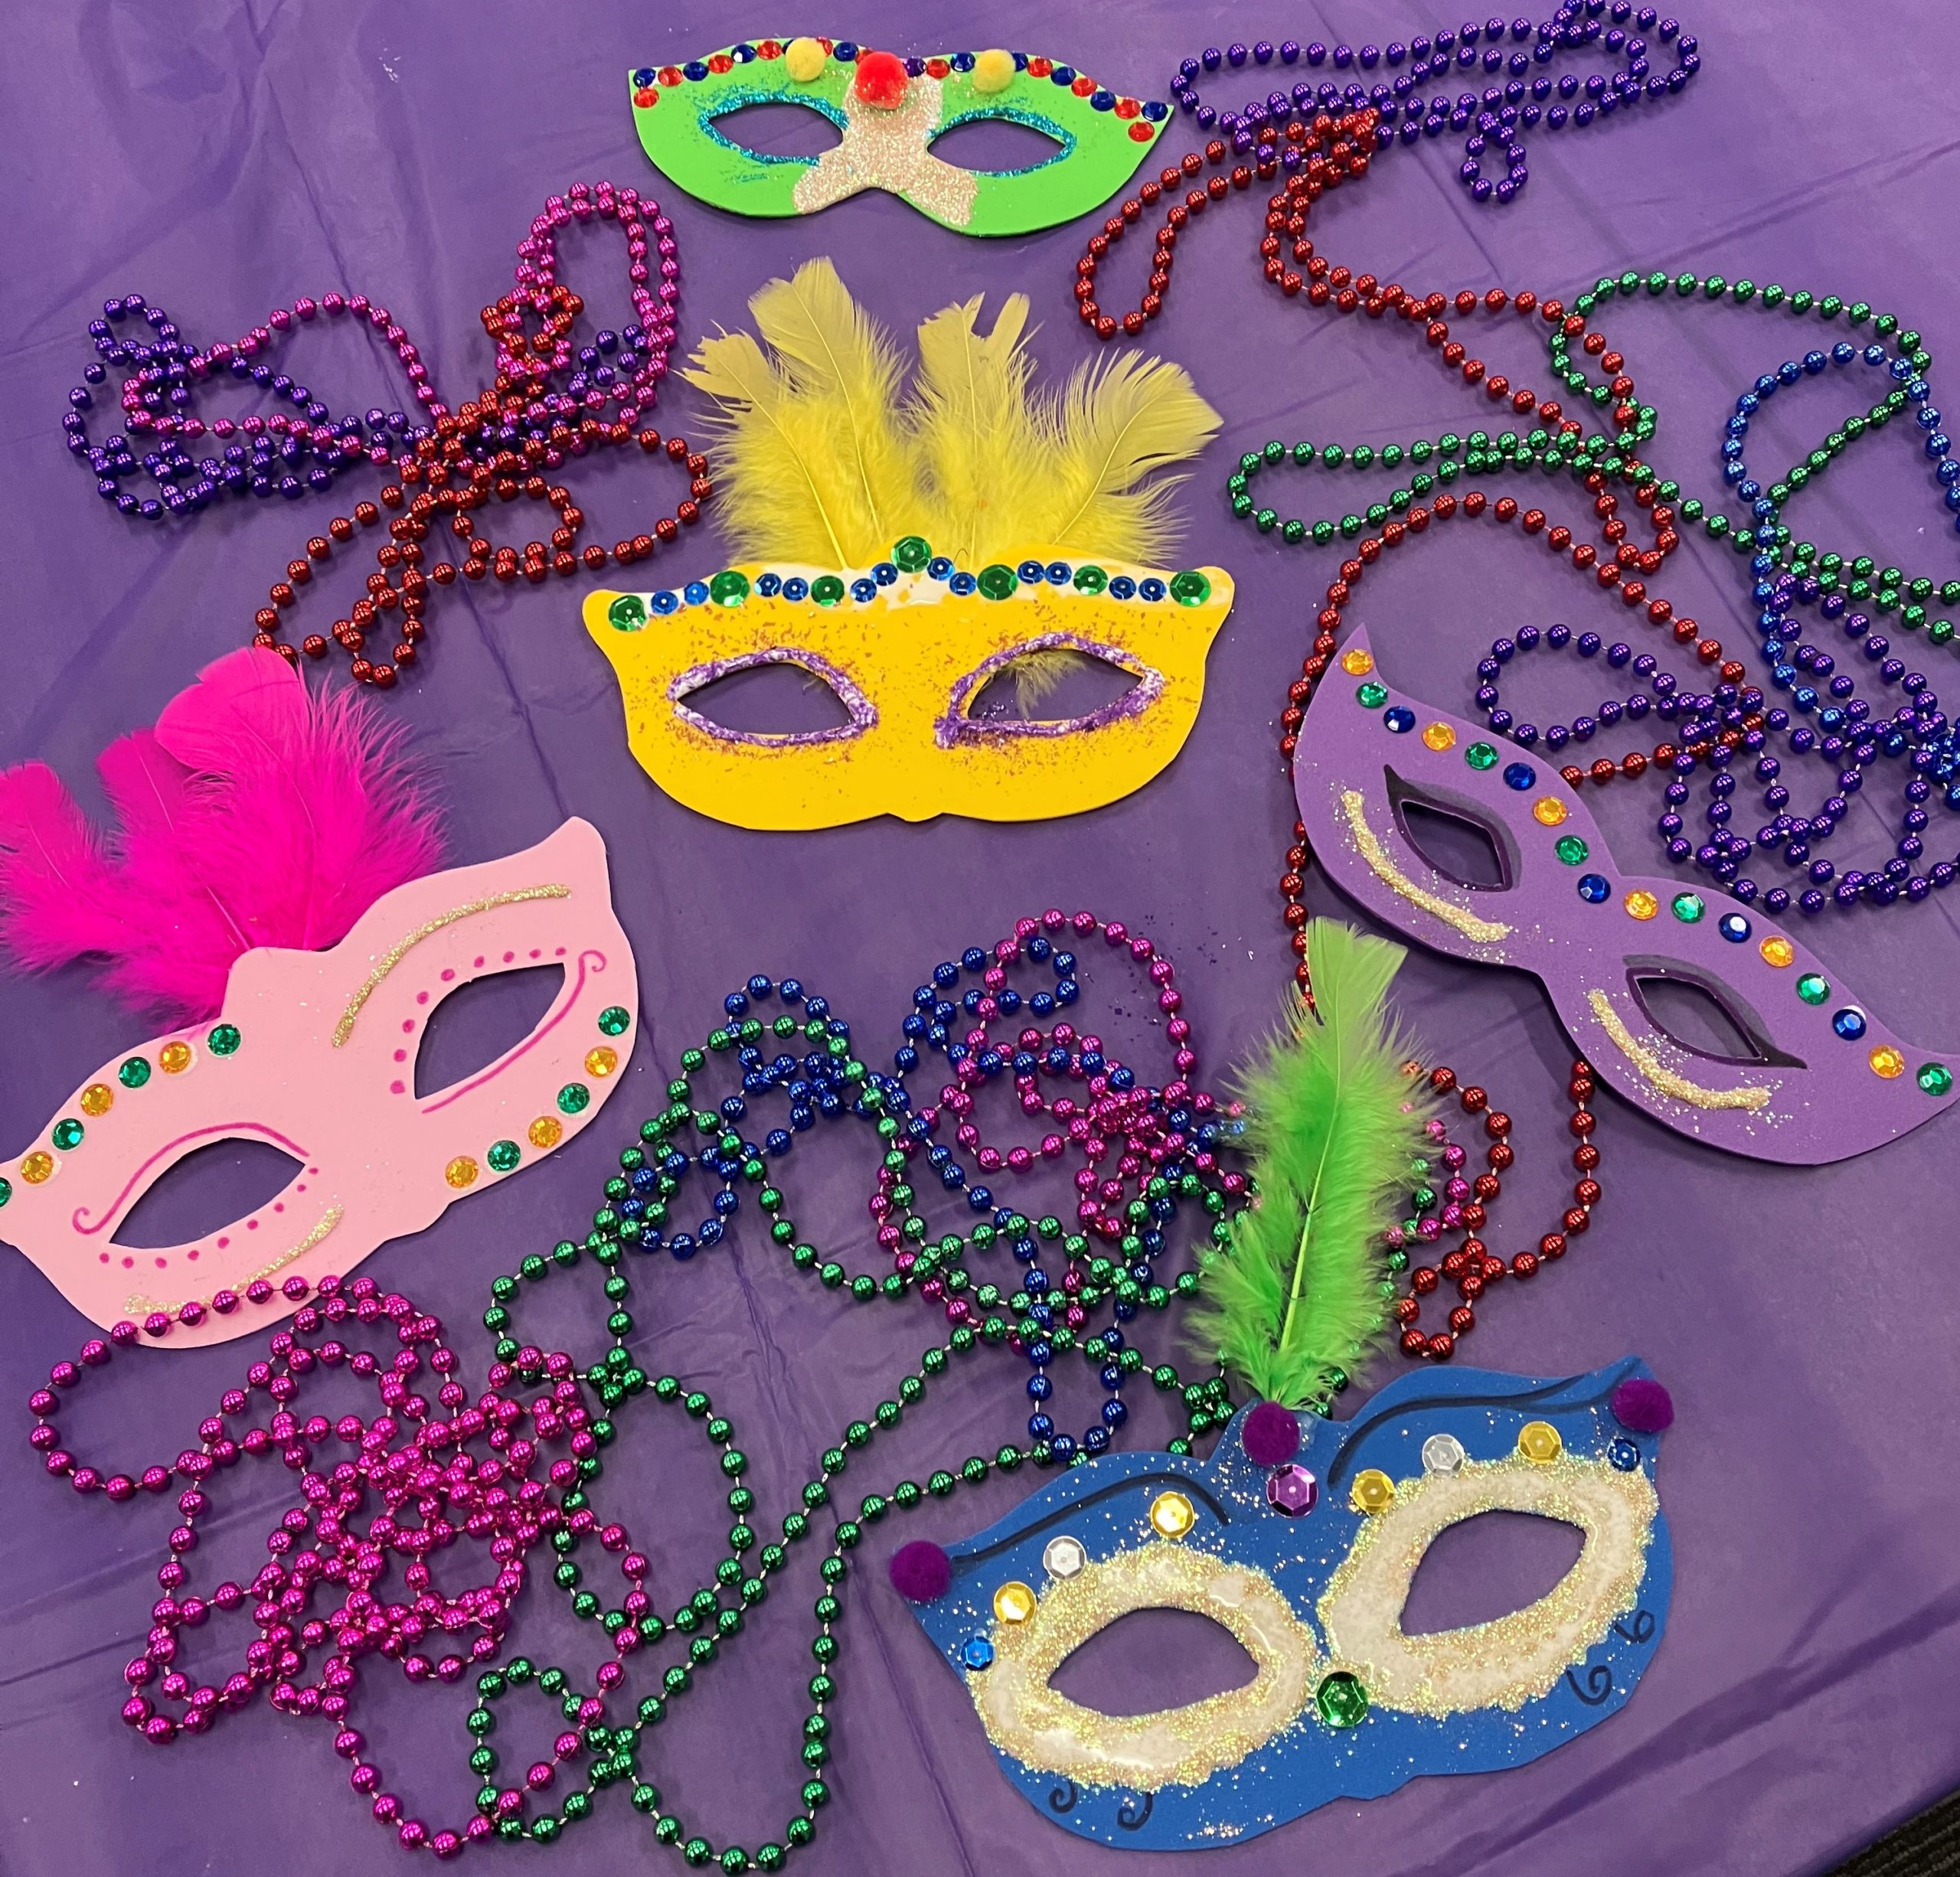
[{"x": 253, "y": 815}]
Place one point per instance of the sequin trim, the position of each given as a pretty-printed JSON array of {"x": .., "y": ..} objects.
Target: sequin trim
[
  {"x": 1382, "y": 864},
  {"x": 1659, "y": 1076}
]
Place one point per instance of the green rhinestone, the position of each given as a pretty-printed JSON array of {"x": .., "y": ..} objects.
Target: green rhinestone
[
  {"x": 728, "y": 588},
  {"x": 574, "y": 1097},
  {"x": 1090, "y": 578},
  {"x": 67, "y": 1133},
  {"x": 7, "y": 1185},
  {"x": 627, "y": 613},
  {"x": 998, "y": 581},
  {"x": 223, "y": 1040},
  {"x": 827, "y": 590},
  {"x": 1189, "y": 588},
  {"x": 134, "y": 1072},
  {"x": 1570, "y": 849},
  {"x": 615, "y": 1020},
  {"x": 503, "y": 1156},
  {"x": 1370, "y": 695},
  {"x": 1813, "y": 988},
  {"x": 1688, "y": 907},
  {"x": 1480, "y": 756},
  {"x": 911, "y": 554},
  {"x": 1935, "y": 1078},
  {"x": 1341, "y": 1700}
]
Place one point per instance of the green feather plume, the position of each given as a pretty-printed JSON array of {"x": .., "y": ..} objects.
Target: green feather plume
[{"x": 1333, "y": 1123}]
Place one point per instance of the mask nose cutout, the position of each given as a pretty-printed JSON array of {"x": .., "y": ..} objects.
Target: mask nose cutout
[
  {"x": 478, "y": 1021},
  {"x": 1057, "y": 686},
  {"x": 781, "y": 133},
  {"x": 1153, "y": 1659},
  {"x": 1488, "y": 1567},
  {"x": 209, "y": 1188},
  {"x": 998, "y": 146}
]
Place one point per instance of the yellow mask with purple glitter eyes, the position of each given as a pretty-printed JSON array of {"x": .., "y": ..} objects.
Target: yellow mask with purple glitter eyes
[
  {"x": 908, "y": 650},
  {"x": 889, "y": 112}
]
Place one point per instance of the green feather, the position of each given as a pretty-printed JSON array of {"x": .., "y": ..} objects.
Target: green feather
[{"x": 1333, "y": 1123}]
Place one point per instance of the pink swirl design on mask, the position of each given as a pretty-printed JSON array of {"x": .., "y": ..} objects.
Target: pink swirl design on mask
[
  {"x": 223, "y": 1130},
  {"x": 593, "y": 961}
]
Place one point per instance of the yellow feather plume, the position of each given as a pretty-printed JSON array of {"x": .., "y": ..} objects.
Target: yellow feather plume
[{"x": 822, "y": 463}]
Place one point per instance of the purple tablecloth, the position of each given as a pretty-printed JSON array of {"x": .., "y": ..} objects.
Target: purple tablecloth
[{"x": 221, "y": 159}]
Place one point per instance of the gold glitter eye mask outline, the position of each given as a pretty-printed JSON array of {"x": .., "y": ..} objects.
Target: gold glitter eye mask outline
[
  {"x": 402, "y": 947},
  {"x": 1354, "y": 806},
  {"x": 1658, "y": 1076}
]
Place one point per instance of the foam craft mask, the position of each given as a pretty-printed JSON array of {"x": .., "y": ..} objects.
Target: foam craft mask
[
  {"x": 314, "y": 1051},
  {"x": 1308, "y": 1565},
  {"x": 907, "y": 652},
  {"x": 889, "y": 113},
  {"x": 1824, "y": 1079}
]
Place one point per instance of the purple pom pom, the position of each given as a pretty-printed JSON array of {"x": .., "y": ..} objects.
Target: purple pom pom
[
  {"x": 921, "y": 1572},
  {"x": 1643, "y": 1405},
  {"x": 1271, "y": 1435}
]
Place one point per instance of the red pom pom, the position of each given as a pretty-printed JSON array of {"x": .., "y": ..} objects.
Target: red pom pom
[
  {"x": 1271, "y": 1434},
  {"x": 881, "y": 80},
  {"x": 921, "y": 1572}
]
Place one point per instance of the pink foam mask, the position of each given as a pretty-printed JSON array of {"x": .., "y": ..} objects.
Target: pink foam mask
[{"x": 314, "y": 1052}]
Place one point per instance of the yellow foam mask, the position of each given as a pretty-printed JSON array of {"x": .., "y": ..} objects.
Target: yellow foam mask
[{"x": 907, "y": 648}]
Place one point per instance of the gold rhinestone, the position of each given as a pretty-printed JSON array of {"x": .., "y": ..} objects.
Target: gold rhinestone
[
  {"x": 1373, "y": 1491},
  {"x": 546, "y": 1131},
  {"x": 1357, "y": 663},
  {"x": 602, "y": 1061},
  {"x": 1886, "y": 1061},
  {"x": 1439, "y": 736},
  {"x": 461, "y": 1172},
  {"x": 1171, "y": 1515},
  {"x": 1641, "y": 904},
  {"x": 97, "y": 1098},
  {"x": 174, "y": 1057},
  {"x": 1014, "y": 1603},
  {"x": 1539, "y": 1440},
  {"x": 1548, "y": 811},
  {"x": 38, "y": 1165},
  {"x": 1778, "y": 951}
]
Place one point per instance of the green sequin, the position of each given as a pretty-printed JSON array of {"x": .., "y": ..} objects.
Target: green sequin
[
  {"x": 504, "y": 1155},
  {"x": 1189, "y": 588},
  {"x": 1341, "y": 1701},
  {"x": 998, "y": 581},
  {"x": 1090, "y": 578},
  {"x": 1570, "y": 849},
  {"x": 574, "y": 1097},
  {"x": 615, "y": 1020},
  {"x": 134, "y": 1072},
  {"x": 827, "y": 590},
  {"x": 67, "y": 1133},
  {"x": 223, "y": 1040},
  {"x": 1371, "y": 694},
  {"x": 911, "y": 554},
  {"x": 1480, "y": 756},
  {"x": 1813, "y": 988},
  {"x": 627, "y": 613},
  {"x": 728, "y": 588}
]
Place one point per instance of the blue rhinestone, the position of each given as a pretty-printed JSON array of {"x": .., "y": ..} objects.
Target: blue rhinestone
[
  {"x": 845, "y": 52},
  {"x": 664, "y": 601},
  {"x": 1062, "y": 75},
  {"x": 695, "y": 71},
  {"x": 1519, "y": 775},
  {"x": 1103, "y": 100},
  {"x": 644, "y": 77},
  {"x": 695, "y": 592},
  {"x": 1399, "y": 718},
  {"x": 1733, "y": 927},
  {"x": 1849, "y": 1022},
  {"x": 1594, "y": 888},
  {"x": 963, "y": 584},
  {"x": 796, "y": 588},
  {"x": 962, "y": 61},
  {"x": 1156, "y": 110},
  {"x": 743, "y": 53},
  {"x": 1625, "y": 1455},
  {"x": 1151, "y": 588}
]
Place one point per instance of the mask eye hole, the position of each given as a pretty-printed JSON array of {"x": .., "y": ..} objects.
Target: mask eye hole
[
  {"x": 1151, "y": 1660},
  {"x": 991, "y": 145},
  {"x": 211, "y": 1187},
  {"x": 1487, "y": 1567},
  {"x": 1453, "y": 836},
  {"x": 775, "y": 696},
  {"x": 786, "y": 132},
  {"x": 1053, "y": 686},
  {"x": 478, "y": 1021},
  {"x": 1700, "y": 1016}
]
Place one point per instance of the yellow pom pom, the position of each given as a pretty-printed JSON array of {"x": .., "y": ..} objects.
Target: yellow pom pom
[
  {"x": 803, "y": 58},
  {"x": 992, "y": 71}
]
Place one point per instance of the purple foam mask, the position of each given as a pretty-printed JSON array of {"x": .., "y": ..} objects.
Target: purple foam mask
[{"x": 1821, "y": 1078}]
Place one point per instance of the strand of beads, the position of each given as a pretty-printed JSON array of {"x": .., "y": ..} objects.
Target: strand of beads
[{"x": 1498, "y": 117}]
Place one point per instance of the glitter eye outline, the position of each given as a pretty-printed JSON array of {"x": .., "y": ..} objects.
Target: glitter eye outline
[
  {"x": 1144, "y": 695},
  {"x": 1064, "y": 139},
  {"x": 1650, "y": 968},
  {"x": 733, "y": 104},
  {"x": 1464, "y": 810},
  {"x": 862, "y": 715}
]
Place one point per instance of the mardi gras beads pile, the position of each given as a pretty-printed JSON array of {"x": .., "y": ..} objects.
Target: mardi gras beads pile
[{"x": 518, "y": 1467}]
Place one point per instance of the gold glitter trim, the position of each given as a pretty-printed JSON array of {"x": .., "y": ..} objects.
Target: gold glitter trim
[
  {"x": 1478, "y": 931},
  {"x": 1656, "y": 1073},
  {"x": 890, "y": 150},
  {"x": 1048, "y": 1732},
  {"x": 328, "y": 1219},
  {"x": 1518, "y": 1658},
  {"x": 400, "y": 949}
]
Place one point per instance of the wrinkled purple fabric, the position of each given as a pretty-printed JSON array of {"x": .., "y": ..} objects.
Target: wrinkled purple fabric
[{"x": 221, "y": 159}]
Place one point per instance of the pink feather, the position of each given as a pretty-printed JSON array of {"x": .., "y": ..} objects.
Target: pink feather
[{"x": 254, "y": 814}]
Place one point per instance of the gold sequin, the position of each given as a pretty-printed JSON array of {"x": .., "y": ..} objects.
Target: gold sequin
[
  {"x": 174, "y": 1057},
  {"x": 1026, "y": 1717},
  {"x": 402, "y": 947},
  {"x": 1548, "y": 811},
  {"x": 1171, "y": 1515},
  {"x": 461, "y": 1172},
  {"x": 1382, "y": 864},
  {"x": 546, "y": 1131},
  {"x": 1640, "y": 904},
  {"x": 1658, "y": 1075},
  {"x": 1373, "y": 1491},
  {"x": 1357, "y": 663},
  {"x": 97, "y": 1098},
  {"x": 1014, "y": 1603},
  {"x": 37, "y": 1166},
  {"x": 1778, "y": 951},
  {"x": 1064, "y": 1556},
  {"x": 1439, "y": 736},
  {"x": 1518, "y": 1658},
  {"x": 602, "y": 1061},
  {"x": 890, "y": 150},
  {"x": 1539, "y": 1442},
  {"x": 1886, "y": 1061}
]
